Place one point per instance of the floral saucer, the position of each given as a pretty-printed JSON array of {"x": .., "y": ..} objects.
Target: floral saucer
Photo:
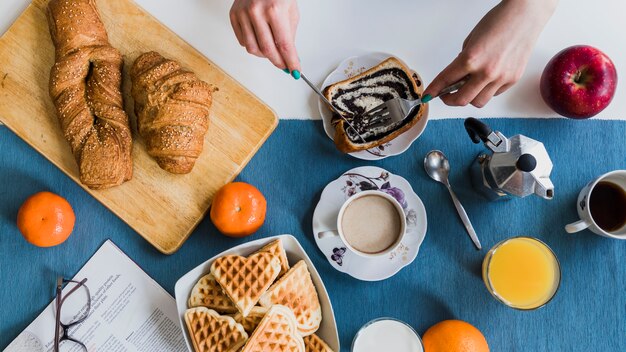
[
  {"x": 353, "y": 66},
  {"x": 325, "y": 218}
]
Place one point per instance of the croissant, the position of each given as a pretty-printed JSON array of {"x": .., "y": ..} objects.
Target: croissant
[
  {"x": 85, "y": 86},
  {"x": 172, "y": 107}
]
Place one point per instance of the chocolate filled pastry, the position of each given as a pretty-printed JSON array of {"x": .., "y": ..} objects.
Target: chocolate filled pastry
[
  {"x": 354, "y": 96},
  {"x": 172, "y": 107},
  {"x": 85, "y": 86}
]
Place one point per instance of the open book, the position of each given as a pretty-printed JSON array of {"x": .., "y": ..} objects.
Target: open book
[{"x": 129, "y": 311}]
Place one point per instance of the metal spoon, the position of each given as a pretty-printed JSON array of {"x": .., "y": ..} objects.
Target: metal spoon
[{"x": 437, "y": 167}]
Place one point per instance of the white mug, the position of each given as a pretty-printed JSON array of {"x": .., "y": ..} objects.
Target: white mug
[
  {"x": 339, "y": 231},
  {"x": 586, "y": 221}
]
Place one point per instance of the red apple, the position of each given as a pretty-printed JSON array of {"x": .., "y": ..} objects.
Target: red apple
[{"x": 579, "y": 82}]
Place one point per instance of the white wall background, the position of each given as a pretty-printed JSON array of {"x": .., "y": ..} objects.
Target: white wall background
[{"x": 425, "y": 34}]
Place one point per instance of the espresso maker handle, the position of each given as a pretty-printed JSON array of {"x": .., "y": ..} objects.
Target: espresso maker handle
[{"x": 477, "y": 130}]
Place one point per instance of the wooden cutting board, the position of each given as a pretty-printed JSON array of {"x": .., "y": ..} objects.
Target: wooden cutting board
[{"x": 161, "y": 207}]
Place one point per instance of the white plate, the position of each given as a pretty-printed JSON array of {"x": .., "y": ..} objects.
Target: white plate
[
  {"x": 295, "y": 253},
  {"x": 325, "y": 218},
  {"x": 353, "y": 66}
]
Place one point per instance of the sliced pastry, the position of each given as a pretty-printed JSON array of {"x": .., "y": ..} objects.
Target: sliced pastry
[
  {"x": 354, "y": 96},
  {"x": 277, "y": 332},
  {"x": 314, "y": 343},
  {"x": 276, "y": 248},
  {"x": 211, "y": 332},
  {"x": 296, "y": 291},
  {"x": 243, "y": 279},
  {"x": 208, "y": 293}
]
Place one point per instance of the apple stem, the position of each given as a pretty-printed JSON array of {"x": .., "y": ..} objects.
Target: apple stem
[{"x": 577, "y": 76}]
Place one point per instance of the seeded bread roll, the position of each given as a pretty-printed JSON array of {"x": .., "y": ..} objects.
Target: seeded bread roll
[
  {"x": 172, "y": 107},
  {"x": 85, "y": 86},
  {"x": 354, "y": 96}
]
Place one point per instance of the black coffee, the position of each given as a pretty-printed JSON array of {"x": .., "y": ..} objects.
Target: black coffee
[{"x": 607, "y": 204}]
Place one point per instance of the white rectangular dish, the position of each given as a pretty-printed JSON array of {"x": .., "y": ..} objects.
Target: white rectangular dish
[{"x": 295, "y": 252}]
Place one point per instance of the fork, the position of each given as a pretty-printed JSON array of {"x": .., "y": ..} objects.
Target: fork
[
  {"x": 331, "y": 106},
  {"x": 397, "y": 109}
]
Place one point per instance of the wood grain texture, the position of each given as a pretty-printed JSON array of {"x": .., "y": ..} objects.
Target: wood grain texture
[{"x": 161, "y": 207}]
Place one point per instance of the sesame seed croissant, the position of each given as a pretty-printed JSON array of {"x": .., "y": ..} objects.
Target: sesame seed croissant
[
  {"x": 85, "y": 86},
  {"x": 172, "y": 107}
]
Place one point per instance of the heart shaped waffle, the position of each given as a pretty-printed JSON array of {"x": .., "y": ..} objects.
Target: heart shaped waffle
[
  {"x": 253, "y": 319},
  {"x": 277, "y": 332},
  {"x": 243, "y": 279},
  {"x": 208, "y": 293},
  {"x": 296, "y": 291},
  {"x": 276, "y": 248},
  {"x": 211, "y": 332},
  {"x": 314, "y": 343}
]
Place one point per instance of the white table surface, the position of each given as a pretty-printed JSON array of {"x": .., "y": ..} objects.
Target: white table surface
[{"x": 425, "y": 34}]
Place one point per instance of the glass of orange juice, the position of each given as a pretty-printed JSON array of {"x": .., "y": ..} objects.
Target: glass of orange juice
[{"x": 522, "y": 272}]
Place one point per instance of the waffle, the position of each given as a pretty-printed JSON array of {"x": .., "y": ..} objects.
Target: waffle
[
  {"x": 296, "y": 291},
  {"x": 211, "y": 332},
  {"x": 276, "y": 248},
  {"x": 277, "y": 332},
  {"x": 253, "y": 319},
  {"x": 314, "y": 343},
  {"x": 243, "y": 279},
  {"x": 208, "y": 293}
]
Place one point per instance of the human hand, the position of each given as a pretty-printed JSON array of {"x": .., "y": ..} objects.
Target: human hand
[
  {"x": 267, "y": 28},
  {"x": 495, "y": 53}
]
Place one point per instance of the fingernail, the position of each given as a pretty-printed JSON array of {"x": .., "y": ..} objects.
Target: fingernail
[
  {"x": 286, "y": 70},
  {"x": 295, "y": 74},
  {"x": 426, "y": 98}
]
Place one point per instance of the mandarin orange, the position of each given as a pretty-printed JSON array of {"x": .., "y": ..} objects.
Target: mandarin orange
[
  {"x": 46, "y": 219},
  {"x": 454, "y": 336},
  {"x": 238, "y": 209}
]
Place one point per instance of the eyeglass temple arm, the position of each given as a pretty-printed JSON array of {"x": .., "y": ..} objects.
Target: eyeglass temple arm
[
  {"x": 57, "y": 325},
  {"x": 78, "y": 285}
]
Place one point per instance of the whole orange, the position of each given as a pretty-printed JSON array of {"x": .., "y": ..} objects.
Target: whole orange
[
  {"x": 238, "y": 209},
  {"x": 454, "y": 336},
  {"x": 45, "y": 219}
]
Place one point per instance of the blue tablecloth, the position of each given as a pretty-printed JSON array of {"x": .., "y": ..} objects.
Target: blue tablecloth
[{"x": 291, "y": 169}]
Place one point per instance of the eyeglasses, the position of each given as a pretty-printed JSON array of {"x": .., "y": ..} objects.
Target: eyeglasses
[{"x": 77, "y": 308}]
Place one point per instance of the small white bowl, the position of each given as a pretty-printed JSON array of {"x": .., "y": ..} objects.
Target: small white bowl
[{"x": 295, "y": 253}]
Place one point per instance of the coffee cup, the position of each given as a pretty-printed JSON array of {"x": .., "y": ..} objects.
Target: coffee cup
[
  {"x": 370, "y": 224},
  {"x": 602, "y": 206}
]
